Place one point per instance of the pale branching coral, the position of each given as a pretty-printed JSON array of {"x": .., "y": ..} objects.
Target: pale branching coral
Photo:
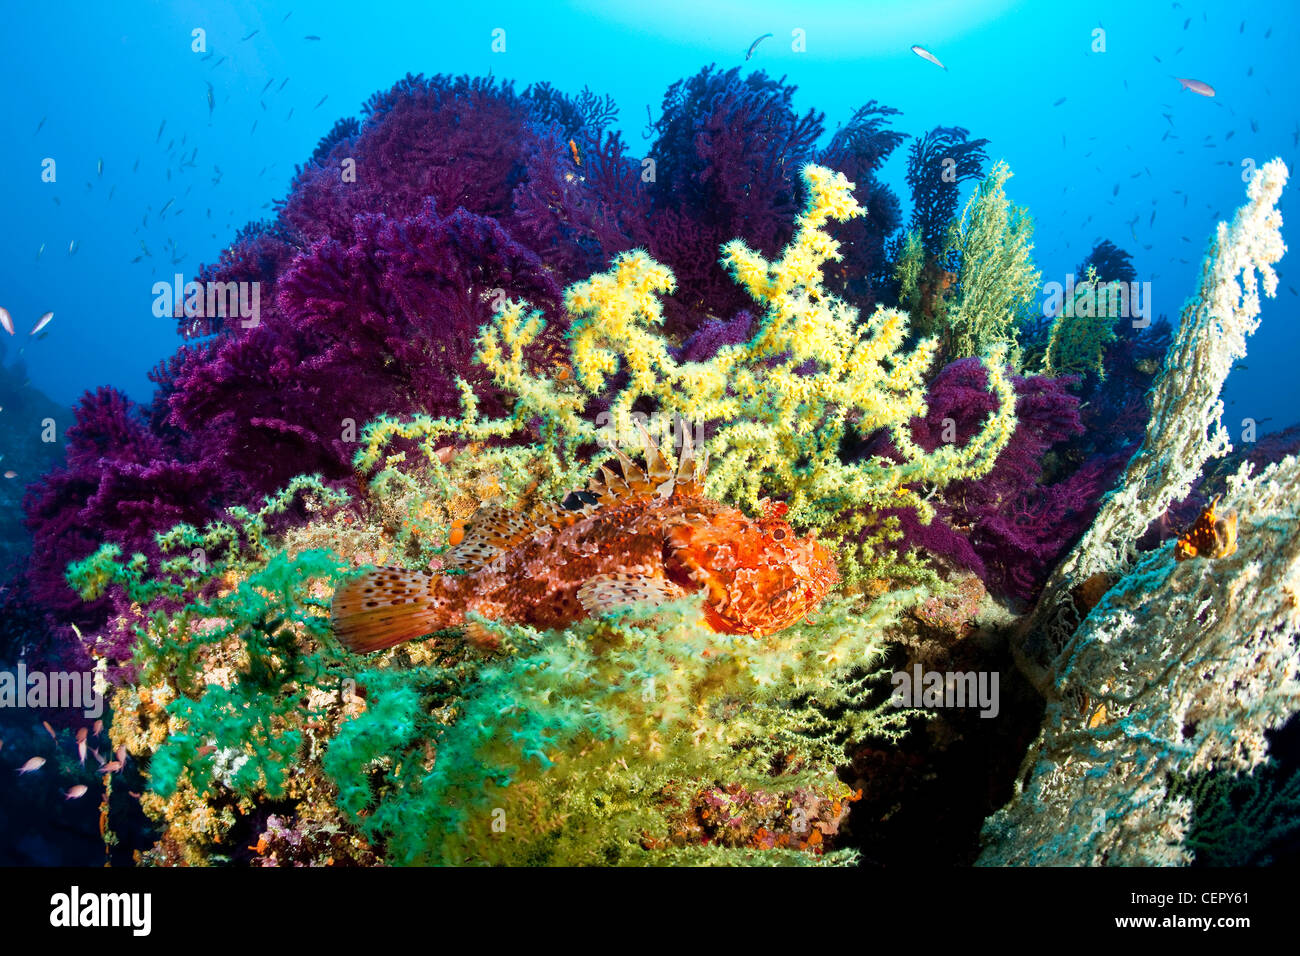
[
  {"x": 1185, "y": 429},
  {"x": 1180, "y": 670}
]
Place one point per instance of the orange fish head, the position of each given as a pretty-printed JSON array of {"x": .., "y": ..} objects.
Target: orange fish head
[{"x": 761, "y": 577}]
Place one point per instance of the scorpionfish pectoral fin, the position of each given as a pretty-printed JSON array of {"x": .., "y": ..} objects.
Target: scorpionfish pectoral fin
[{"x": 621, "y": 590}]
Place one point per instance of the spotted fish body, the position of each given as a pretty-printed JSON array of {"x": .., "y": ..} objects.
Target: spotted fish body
[{"x": 645, "y": 540}]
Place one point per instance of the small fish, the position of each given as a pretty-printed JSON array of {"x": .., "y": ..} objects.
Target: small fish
[
  {"x": 1186, "y": 22},
  {"x": 113, "y": 766},
  {"x": 283, "y": 85},
  {"x": 99, "y": 168},
  {"x": 287, "y": 16},
  {"x": 1240, "y": 365},
  {"x": 42, "y": 322},
  {"x": 212, "y": 99},
  {"x": 1115, "y": 191},
  {"x": 36, "y": 763},
  {"x": 311, "y": 36},
  {"x": 925, "y": 54},
  {"x": 218, "y": 63},
  {"x": 1254, "y": 126},
  {"x": 75, "y": 792},
  {"x": 6, "y": 320},
  {"x": 40, "y": 124},
  {"x": 267, "y": 87},
  {"x": 81, "y": 749},
  {"x": 40, "y": 252},
  {"x": 1196, "y": 86},
  {"x": 290, "y": 114},
  {"x": 754, "y": 46},
  {"x": 249, "y": 37},
  {"x": 1243, "y": 27},
  {"x": 163, "y": 126},
  {"x": 166, "y": 205},
  {"x": 49, "y": 730},
  {"x": 1059, "y": 102},
  {"x": 1268, "y": 33},
  {"x": 72, "y": 247},
  {"x": 1153, "y": 219},
  {"x": 322, "y": 101},
  {"x": 11, "y": 474},
  {"x": 649, "y": 537},
  {"x": 573, "y": 149},
  {"x": 98, "y": 728},
  {"x": 1231, "y": 133},
  {"x": 254, "y": 128}
]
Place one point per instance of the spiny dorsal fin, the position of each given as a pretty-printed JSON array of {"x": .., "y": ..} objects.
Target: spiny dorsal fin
[
  {"x": 660, "y": 471},
  {"x": 609, "y": 486},
  {"x": 552, "y": 515},
  {"x": 632, "y": 474},
  {"x": 689, "y": 473},
  {"x": 493, "y": 529},
  {"x": 616, "y": 591}
]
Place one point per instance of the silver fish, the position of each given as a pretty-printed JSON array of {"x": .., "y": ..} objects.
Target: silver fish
[
  {"x": 925, "y": 54},
  {"x": 1196, "y": 86},
  {"x": 6, "y": 320},
  {"x": 42, "y": 322}
]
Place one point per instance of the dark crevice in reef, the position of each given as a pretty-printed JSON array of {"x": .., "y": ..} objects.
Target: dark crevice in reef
[{"x": 925, "y": 798}]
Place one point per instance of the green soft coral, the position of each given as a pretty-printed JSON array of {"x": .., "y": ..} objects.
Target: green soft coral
[
  {"x": 581, "y": 747},
  {"x": 998, "y": 279}
]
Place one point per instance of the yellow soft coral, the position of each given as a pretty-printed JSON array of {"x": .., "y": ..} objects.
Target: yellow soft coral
[{"x": 777, "y": 407}]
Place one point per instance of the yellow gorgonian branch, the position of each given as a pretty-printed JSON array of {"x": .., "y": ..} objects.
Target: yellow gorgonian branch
[{"x": 777, "y": 406}]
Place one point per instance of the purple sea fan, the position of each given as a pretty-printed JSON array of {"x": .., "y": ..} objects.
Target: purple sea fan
[
  {"x": 1010, "y": 522},
  {"x": 121, "y": 483},
  {"x": 378, "y": 325}
]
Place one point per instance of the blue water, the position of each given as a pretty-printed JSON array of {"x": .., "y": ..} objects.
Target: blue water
[{"x": 103, "y": 78}]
